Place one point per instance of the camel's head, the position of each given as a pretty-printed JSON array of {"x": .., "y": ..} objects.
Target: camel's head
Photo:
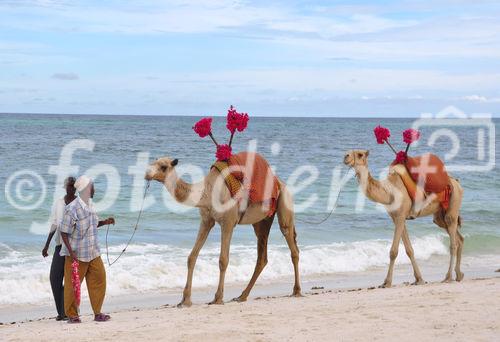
[
  {"x": 160, "y": 168},
  {"x": 355, "y": 158}
]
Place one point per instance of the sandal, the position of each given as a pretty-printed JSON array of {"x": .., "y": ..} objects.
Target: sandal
[
  {"x": 72, "y": 320},
  {"x": 102, "y": 317}
]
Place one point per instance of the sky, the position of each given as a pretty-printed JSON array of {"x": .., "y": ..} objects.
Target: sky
[{"x": 269, "y": 58}]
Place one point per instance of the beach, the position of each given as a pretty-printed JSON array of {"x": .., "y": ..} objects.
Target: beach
[
  {"x": 468, "y": 310},
  {"x": 333, "y": 164},
  {"x": 350, "y": 250}
]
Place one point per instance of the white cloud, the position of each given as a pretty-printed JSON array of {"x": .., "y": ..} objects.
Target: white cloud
[
  {"x": 153, "y": 17},
  {"x": 480, "y": 98},
  {"x": 65, "y": 76}
]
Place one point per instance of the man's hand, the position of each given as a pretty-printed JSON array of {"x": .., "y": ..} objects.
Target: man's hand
[
  {"x": 45, "y": 252},
  {"x": 109, "y": 220},
  {"x": 73, "y": 256}
]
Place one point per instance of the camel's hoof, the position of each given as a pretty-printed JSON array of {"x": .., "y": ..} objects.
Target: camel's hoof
[
  {"x": 240, "y": 299},
  {"x": 447, "y": 280},
  {"x": 216, "y": 302},
  {"x": 296, "y": 294},
  {"x": 385, "y": 286},
  {"x": 418, "y": 282},
  {"x": 184, "y": 304},
  {"x": 460, "y": 276}
]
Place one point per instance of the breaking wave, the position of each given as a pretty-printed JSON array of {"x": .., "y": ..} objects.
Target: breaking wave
[{"x": 24, "y": 277}]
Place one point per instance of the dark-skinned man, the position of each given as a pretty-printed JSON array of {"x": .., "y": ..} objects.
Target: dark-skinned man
[
  {"x": 57, "y": 265},
  {"x": 79, "y": 234}
]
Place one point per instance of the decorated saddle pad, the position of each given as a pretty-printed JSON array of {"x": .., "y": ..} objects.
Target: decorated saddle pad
[
  {"x": 414, "y": 191},
  {"x": 251, "y": 172},
  {"x": 432, "y": 170}
]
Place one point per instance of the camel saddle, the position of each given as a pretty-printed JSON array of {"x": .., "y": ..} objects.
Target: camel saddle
[
  {"x": 263, "y": 187},
  {"x": 435, "y": 179}
]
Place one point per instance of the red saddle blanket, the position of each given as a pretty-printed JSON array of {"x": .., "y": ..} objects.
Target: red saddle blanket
[
  {"x": 263, "y": 186},
  {"x": 434, "y": 176}
]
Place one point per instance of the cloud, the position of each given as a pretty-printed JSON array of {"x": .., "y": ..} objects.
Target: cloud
[
  {"x": 65, "y": 76},
  {"x": 480, "y": 98},
  {"x": 153, "y": 17}
]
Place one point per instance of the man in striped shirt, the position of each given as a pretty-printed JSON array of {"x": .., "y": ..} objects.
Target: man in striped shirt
[{"x": 79, "y": 234}]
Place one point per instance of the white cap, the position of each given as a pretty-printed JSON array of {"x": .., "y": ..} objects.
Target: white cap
[{"x": 82, "y": 182}]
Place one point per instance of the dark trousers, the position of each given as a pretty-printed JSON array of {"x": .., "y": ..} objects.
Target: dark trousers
[{"x": 56, "y": 280}]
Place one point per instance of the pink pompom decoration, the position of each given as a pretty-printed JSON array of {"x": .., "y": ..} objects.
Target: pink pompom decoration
[
  {"x": 75, "y": 279},
  {"x": 381, "y": 134},
  {"x": 401, "y": 157},
  {"x": 223, "y": 152},
  {"x": 411, "y": 135},
  {"x": 236, "y": 121},
  {"x": 203, "y": 127},
  {"x": 243, "y": 122},
  {"x": 232, "y": 119}
]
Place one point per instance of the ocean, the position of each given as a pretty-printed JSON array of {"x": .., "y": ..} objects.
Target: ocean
[{"x": 356, "y": 237}]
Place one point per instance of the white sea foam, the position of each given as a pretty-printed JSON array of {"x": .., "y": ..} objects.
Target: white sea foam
[{"x": 24, "y": 278}]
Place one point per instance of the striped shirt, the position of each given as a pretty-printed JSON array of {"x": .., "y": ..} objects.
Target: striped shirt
[{"x": 80, "y": 222}]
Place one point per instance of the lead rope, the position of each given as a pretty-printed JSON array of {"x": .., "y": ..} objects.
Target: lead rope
[
  {"x": 331, "y": 211},
  {"x": 133, "y": 233}
]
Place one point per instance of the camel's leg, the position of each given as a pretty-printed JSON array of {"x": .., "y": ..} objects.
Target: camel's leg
[
  {"x": 262, "y": 229},
  {"x": 291, "y": 239},
  {"x": 460, "y": 246},
  {"x": 287, "y": 226},
  {"x": 453, "y": 222},
  {"x": 399, "y": 227},
  {"x": 409, "y": 251},
  {"x": 205, "y": 227},
  {"x": 226, "y": 234},
  {"x": 452, "y": 232}
]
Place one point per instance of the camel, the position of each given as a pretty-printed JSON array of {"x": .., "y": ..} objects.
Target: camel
[
  {"x": 392, "y": 191},
  {"x": 201, "y": 195}
]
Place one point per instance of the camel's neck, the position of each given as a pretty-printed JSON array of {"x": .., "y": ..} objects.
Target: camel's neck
[
  {"x": 183, "y": 192},
  {"x": 371, "y": 187}
]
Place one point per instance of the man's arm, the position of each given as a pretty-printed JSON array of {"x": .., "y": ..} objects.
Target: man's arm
[
  {"x": 55, "y": 213},
  {"x": 47, "y": 244},
  {"x": 65, "y": 238},
  {"x": 66, "y": 230}
]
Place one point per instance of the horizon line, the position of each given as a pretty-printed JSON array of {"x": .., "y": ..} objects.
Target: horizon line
[{"x": 216, "y": 115}]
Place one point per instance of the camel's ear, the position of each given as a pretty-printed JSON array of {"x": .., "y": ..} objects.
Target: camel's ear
[
  {"x": 174, "y": 162},
  {"x": 367, "y": 153}
]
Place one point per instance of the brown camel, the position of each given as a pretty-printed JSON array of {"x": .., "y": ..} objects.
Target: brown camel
[
  {"x": 392, "y": 193},
  {"x": 203, "y": 195}
]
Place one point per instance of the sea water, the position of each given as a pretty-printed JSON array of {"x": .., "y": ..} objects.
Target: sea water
[{"x": 356, "y": 238}]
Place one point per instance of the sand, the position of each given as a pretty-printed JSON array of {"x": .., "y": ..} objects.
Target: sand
[{"x": 469, "y": 310}]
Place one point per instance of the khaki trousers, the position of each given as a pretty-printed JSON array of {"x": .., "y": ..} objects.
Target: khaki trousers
[{"x": 95, "y": 276}]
